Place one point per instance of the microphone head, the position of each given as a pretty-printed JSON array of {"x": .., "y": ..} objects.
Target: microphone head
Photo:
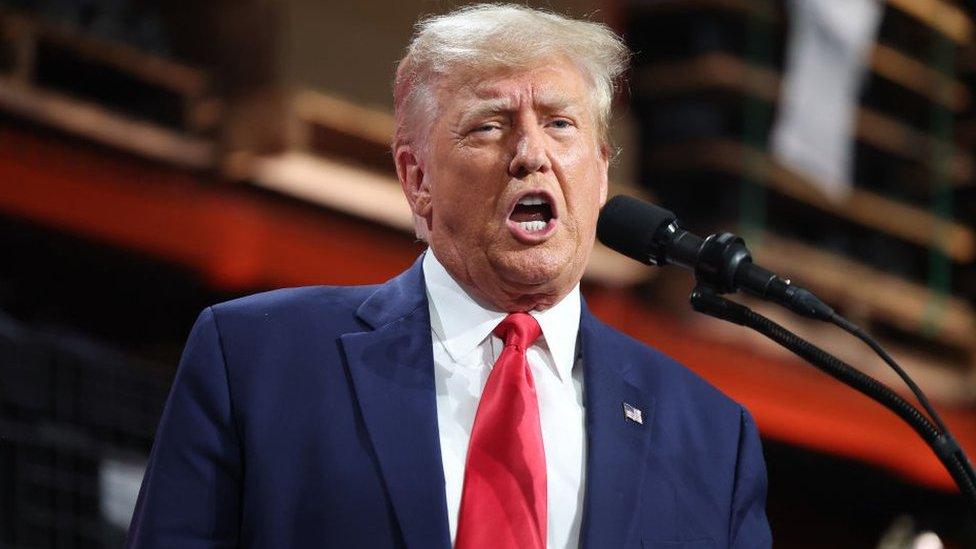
[{"x": 628, "y": 225}]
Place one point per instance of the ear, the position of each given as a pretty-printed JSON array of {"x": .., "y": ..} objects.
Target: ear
[
  {"x": 604, "y": 173},
  {"x": 415, "y": 186}
]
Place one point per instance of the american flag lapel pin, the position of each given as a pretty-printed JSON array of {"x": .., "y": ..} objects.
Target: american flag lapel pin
[{"x": 633, "y": 413}]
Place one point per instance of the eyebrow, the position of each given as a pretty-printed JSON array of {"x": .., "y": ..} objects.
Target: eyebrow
[
  {"x": 497, "y": 105},
  {"x": 487, "y": 107},
  {"x": 555, "y": 101}
]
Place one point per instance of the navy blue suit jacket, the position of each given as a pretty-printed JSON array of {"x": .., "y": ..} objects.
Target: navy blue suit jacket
[{"x": 307, "y": 418}]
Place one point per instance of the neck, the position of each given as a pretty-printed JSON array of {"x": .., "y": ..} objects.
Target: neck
[{"x": 493, "y": 291}]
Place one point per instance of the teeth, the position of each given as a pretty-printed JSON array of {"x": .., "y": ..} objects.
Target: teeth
[
  {"x": 532, "y": 201},
  {"x": 533, "y": 226}
]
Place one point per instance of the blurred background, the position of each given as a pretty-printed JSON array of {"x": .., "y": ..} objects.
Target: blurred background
[{"x": 158, "y": 157}]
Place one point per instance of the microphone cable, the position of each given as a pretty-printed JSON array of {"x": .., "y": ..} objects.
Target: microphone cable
[
  {"x": 722, "y": 264},
  {"x": 939, "y": 439},
  {"x": 859, "y": 333}
]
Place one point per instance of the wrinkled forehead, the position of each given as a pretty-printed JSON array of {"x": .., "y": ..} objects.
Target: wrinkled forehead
[{"x": 549, "y": 84}]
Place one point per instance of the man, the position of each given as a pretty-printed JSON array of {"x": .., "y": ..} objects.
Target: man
[{"x": 473, "y": 399}]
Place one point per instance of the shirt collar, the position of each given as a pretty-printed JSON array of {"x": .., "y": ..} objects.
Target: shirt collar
[{"x": 462, "y": 323}]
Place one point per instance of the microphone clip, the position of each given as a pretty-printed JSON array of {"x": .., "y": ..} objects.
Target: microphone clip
[{"x": 720, "y": 259}]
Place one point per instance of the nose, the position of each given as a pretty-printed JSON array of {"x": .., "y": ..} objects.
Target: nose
[{"x": 530, "y": 155}]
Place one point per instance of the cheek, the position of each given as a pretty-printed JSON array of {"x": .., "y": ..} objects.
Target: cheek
[
  {"x": 463, "y": 202},
  {"x": 584, "y": 186},
  {"x": 474, "y": 183}
]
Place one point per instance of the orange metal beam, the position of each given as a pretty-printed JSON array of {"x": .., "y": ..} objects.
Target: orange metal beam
[{"x": 236, "y": 239}]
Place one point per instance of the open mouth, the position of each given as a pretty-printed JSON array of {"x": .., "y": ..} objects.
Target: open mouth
[
  {"x": 532, "y": 213},
  {"x": 533, "y": 218}
]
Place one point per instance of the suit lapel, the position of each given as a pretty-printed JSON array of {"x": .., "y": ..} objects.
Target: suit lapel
[
  {"x": 617, "y": 447},
  {"x": 392, "y": 370}
]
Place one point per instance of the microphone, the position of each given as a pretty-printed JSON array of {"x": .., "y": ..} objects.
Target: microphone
[{"x": 651, "y": 234}]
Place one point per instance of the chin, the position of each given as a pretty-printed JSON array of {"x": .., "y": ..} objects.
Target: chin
[{"x": 534, "y": 268}]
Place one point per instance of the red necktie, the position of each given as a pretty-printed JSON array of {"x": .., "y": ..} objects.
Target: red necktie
[{"x": 503, "y": 503}]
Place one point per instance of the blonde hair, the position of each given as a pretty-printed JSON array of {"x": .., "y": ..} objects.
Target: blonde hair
[{"x": 485, "y": 37}]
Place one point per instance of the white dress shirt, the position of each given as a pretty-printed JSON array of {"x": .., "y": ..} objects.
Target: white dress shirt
[{"x": 465, "y": 351}]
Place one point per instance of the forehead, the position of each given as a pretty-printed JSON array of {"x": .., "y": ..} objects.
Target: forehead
[{"x": 552, "y": 84}]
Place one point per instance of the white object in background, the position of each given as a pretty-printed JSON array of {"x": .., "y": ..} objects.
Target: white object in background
[
  {"x": 928, "y": 540},
  {"x": 118, "y": 487},
  {"x": 826, "y": 58}
]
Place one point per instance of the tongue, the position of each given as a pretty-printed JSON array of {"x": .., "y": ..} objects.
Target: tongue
[{"x": 524, "y": 213}]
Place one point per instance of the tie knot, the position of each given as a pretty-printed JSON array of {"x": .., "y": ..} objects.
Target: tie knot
[{"x": 518, "y": 329}]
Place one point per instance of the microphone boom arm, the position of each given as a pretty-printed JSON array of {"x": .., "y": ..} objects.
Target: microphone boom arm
[
  {"x": 706, "y": 300},
  {"x": 722, "y": 264}
]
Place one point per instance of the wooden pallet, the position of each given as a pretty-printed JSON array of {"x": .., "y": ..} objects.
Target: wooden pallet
[
  {"x": 335, "y": 126},
  {"x": 874, "y": 295},
  {"x": 725, "y": 71},
  {"x": 105, "y": 126},
  {"x": 940, "y": 15},
  {"x": 32, "y": 49},
  {"x": 862, "y": 207}
]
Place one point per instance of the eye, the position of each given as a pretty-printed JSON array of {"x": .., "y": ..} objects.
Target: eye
[
  {"x": 560, "y": 124},
  {"x": 484, "y": 128}
]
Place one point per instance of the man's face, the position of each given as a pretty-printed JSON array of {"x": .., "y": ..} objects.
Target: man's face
[{"x": 511, "y": 182}]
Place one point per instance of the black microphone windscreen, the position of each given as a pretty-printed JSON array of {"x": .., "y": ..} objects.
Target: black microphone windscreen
[{"x": 628, "y": 225}]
